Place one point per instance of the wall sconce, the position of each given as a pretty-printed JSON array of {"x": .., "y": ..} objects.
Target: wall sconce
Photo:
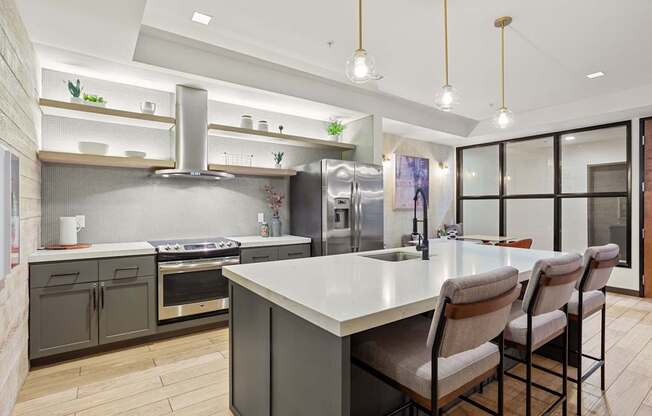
[
  {"x": 443, "y": 167},
  {"x": 386, "y": 160}
]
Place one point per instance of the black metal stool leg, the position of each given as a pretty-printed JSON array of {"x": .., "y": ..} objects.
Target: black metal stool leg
[
  {"x": 528, "y": 363},
  {"x": 564, "y": 383},
  {"x": 603, "y": 341},
  {"x": 579, "y": 357},
  {"x": 501, "y": 375}
]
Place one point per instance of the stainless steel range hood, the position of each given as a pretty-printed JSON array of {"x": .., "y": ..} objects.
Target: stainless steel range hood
[{"x": 191, "y": 135}]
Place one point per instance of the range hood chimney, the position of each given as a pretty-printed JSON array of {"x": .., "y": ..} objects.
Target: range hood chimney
[{"x": 191, "y": 135}]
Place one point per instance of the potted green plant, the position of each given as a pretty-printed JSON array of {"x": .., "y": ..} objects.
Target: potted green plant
[
  {"x": 335, "y": 129},
  {"x": 278, "y": 158},
  {"x": 75, "y": 90},
  {"x": 95, "y": 100}
]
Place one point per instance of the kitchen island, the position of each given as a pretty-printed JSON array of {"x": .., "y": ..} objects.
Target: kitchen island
[{"x": 291, "y": 322}]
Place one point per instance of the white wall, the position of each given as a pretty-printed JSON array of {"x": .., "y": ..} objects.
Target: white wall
[{"x": 441, "y": 208}]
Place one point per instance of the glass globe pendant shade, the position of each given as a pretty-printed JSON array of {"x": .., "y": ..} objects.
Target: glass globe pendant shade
[
  {"x": 503, "y": 118},
  {"x": 361, "y": 67},
  {"x": 447, "y": 98}
]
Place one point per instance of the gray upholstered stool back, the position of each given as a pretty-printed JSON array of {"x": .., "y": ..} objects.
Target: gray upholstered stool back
[
  {"x": 493, "y": 291},
  {"x": 599, "y": 262},
  {"x": 551, "y": 283}
]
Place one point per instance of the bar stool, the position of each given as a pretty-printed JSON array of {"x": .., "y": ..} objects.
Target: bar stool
[
  {"x": 538, "y": 319},
  {"x": 588, "y": 299},
  {"x": 455, "y": 345}
]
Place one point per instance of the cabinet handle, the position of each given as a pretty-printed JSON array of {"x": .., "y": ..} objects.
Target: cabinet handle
[
  {"x": 300, "y": 253},
  {"x": 125, "y": 269},
  {"x": 65, "y": 274},
  {"x": 102, "y": 296},
  {"x": 259, "y": 257},
  {"x": 95, "y": 297}
]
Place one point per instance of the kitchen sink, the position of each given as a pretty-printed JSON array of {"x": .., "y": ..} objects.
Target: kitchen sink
[{"x": 393, "y": 256}]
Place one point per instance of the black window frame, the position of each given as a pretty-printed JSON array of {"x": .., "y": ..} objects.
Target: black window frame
[{"x": 557, "y": 195}]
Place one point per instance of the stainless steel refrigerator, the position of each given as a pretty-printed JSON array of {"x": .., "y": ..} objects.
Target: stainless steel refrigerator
[{"x": 339, "y": 204}]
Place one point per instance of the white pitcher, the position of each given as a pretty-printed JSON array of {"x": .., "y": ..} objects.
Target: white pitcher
[{"x": 68, "y": 229}]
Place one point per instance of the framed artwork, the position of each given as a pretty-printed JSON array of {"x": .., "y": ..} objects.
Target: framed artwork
[
  {"x": 412, "y": 172},
  {"x": 14, "y": 212},
  {"x": 9, "y": 212}
]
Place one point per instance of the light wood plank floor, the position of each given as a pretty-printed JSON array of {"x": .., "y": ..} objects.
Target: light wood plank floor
[{"x": 189, "y": 376}]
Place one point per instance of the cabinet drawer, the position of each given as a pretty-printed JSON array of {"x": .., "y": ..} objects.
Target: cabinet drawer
[
  {"x": 258, "y": 255},
  {"x": 127, "y": 267},
  {"x": 294, "y": 252},
  {"x": 63, "y": 273}
]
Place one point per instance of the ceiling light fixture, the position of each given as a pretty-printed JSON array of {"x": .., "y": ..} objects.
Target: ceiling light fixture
[
  {"x": 595, "y": 75},
  {"x": 503, "y": 118},
  {"x": 202, "y": 18},
  {"x": 447, "y": 97},
  {"x": 569, "y": 138},
  {"x": 361, "y": 67}
]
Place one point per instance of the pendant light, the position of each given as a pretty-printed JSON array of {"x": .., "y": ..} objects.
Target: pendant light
[
  {"x": 503, "y": 117},
  {"x": 447, "y": 97},
  {"x": 361, "y": 67}
]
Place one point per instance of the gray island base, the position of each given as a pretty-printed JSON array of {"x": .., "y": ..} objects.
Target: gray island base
[
  {"x": 291, "y": 323},
  {"x": 281, "y": 364}
]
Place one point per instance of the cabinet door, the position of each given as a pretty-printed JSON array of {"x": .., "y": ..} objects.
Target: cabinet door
[
  {"x": 62, "y": 319},
  {"x": 258, "y": 255},
  {"x": 127, "y": 309}
]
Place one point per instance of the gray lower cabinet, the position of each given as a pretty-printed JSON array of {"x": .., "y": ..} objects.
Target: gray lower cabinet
[
  {"x": 263, "y": 254},
  {"x": 63, "y": 319},
  {"x": 81, "y": 304},
  {"x": 127, "y": 309}
]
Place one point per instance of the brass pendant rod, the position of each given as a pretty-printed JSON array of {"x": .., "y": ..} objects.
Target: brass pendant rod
[
  {"x": 502, "y": 63},
  {"x": 446, "y": 39},
  {"x": 359, "y": 24}
]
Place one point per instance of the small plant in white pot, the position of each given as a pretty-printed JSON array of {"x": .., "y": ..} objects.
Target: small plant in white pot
[
  {"x": 278, "y": 158},
  {"x": 335, "y": 129},
  {"x": 75, "y": 90}
]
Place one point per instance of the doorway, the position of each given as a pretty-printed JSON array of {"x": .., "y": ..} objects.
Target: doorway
[{"x": 646, "y": 207}]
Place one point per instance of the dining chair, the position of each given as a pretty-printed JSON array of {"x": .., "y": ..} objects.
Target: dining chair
[
  {"x": 589, "y": 298},
  {"x": 538, "y": 319},
  {"x": 525, "y": 243},
  {"x": 435, "y": 361}
]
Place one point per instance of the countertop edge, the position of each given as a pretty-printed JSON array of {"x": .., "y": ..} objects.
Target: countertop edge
[
  {"x": 316, "y": 318},
  {"x": 71, "y": 255}
]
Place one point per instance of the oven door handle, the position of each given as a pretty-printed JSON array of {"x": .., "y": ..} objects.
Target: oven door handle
[{"x": 181, "y": 267}]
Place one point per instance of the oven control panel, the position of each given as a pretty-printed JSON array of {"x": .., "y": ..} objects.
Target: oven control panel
[{"x": 196, "y": 247}]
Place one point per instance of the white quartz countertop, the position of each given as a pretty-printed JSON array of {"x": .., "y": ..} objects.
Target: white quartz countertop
[
  {"x": 257, "y": 241},
  {"x": 349, "y": 293},
  {"x": 95, "y": 251}
]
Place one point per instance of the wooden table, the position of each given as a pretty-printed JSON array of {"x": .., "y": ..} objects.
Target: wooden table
[{"x": 493, "y": 239}]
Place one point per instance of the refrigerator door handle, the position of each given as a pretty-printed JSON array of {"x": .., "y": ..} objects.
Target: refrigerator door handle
[
  {"x": 352, "y": 217},
  {"x": 358, "y": 219}
]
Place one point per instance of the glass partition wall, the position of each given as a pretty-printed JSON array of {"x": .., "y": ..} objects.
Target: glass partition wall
[{"x": 566, "y": 190}]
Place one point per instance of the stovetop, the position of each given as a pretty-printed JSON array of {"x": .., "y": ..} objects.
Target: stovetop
[{"x": 195, "y": 248}]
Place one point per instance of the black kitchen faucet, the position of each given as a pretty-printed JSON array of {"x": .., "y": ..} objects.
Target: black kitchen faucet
[{"x": 422, "y": 245}]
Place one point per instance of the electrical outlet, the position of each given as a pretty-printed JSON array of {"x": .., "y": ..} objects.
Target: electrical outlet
[
  {"x": 81, "y": 221},
  {"x": 261, "y": 217}
]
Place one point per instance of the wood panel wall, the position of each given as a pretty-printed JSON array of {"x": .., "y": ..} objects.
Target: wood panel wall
[{"x": 20, "y": 126}]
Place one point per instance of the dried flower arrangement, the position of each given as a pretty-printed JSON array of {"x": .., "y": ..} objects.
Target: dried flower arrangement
[{"x": 274, "y": 200}]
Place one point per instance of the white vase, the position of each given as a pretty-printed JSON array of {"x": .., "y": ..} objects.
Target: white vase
[
  {"x": 76, "y": 100},
  {"x": 335, "y": 137},
  {"x": 278, "y": 166}
]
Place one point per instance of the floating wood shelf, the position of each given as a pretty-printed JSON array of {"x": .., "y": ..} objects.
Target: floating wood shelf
[
  {"x": 253, "y": 171},
  {"x": 96, "y": 160},
  {"x": 282, "y": 138},
  {"x": 108, "y": 115}
]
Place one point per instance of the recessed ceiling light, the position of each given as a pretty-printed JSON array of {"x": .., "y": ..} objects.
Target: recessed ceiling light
[
  {"x": 569, "y": 138},
  {"x": 595, "y": 75},
  {"x": 202, "y": 18}
]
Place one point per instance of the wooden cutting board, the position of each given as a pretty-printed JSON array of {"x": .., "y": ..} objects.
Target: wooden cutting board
[{"x": 67, "y": 247}]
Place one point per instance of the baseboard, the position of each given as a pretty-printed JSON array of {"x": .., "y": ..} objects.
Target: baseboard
[{"x": 629, "y": 292}]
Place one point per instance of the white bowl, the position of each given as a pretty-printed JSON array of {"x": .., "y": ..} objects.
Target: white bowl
[
  {"x": 93, "y": 148},
  {"x": 135, "y": 153}
]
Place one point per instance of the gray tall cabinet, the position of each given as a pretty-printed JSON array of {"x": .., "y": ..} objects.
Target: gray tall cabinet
[{"x": 75, "y": 305}]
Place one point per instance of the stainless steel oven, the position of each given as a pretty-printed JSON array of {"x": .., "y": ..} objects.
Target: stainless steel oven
[{"x": 190, "y": 280}]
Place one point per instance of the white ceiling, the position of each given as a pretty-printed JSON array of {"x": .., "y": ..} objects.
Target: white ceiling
[
  {"x": 551, "y": 45},
  {"x": 548, "y": 52}
]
